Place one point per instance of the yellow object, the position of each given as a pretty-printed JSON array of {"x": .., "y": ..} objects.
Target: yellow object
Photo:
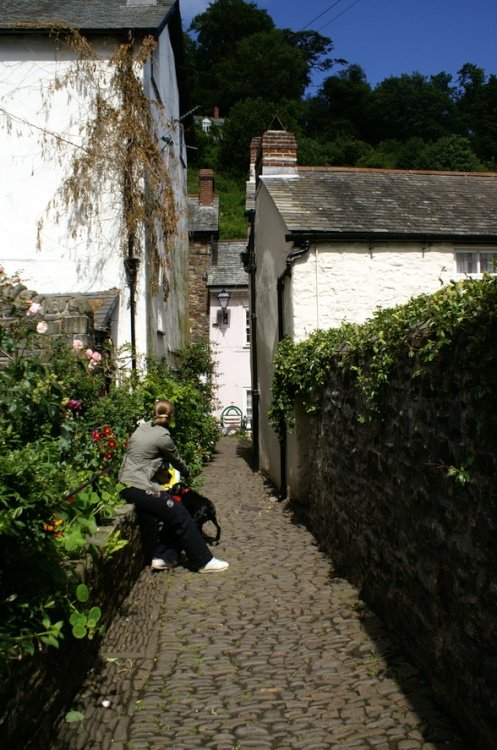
[{"x": 174, "y": 478}]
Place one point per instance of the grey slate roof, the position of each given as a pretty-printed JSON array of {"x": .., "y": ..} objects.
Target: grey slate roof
[
  {"x": 359, "y": 202},
  {"x": 85, "y": 15},
  {"x": 203, "y": 218},
  {"x": 227, "y": 268}
]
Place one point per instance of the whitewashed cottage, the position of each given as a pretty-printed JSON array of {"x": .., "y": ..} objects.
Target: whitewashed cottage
[
  {"x": 331, "y": 245},
  {"x": 142, "y": 289}
]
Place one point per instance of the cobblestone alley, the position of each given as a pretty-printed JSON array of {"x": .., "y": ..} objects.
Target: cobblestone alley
[{"x": 273, "y": 653}]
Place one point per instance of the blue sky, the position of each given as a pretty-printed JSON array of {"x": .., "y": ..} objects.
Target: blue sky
[{"x": 391, "y": 37}]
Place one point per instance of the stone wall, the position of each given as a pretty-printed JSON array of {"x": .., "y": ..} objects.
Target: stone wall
[
  {"x": 421, "y": 545},
  {"x": 199, "y": 263},
  {"x": 37, "y": 689}
]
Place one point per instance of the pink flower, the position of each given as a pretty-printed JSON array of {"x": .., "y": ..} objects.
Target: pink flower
[
  {"x": 34, "y": 309},
  {"x": 94, "y": 357},
  {"x": 42, "y": 327},
  {"x": 77, "y": 344},
  {"x": 74, "y": 404}
]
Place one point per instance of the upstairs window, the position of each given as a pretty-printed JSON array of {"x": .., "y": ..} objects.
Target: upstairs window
[
  {"x": 247, "y": 327},
  {"x": 476, "y": 262}
]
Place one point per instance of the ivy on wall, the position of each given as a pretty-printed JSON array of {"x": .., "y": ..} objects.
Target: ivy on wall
[{"x": 424, "y": 328}]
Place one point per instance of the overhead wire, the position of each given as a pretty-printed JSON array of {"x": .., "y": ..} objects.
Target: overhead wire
[
  {"x": 338, "y": 15},
  {"x": 330, "y": 7},
  {"x": 321, "y": 14}
]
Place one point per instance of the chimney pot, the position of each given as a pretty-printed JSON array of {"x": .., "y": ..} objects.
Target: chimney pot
[{"x": 206, "y": 187}]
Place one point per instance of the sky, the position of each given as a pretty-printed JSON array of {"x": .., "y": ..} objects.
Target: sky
[{"x": 390, "y": 37}]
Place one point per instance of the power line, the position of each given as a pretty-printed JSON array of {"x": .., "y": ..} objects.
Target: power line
[
  {"x": 321, "y": 14},
  {"x": 338, "y": 15}
]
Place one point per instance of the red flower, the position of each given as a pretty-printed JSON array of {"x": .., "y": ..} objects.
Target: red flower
[
  {"x": 96, "y": 435},
  {"x": 106, "y": 431},
  {"x": 111, "y": 444}
]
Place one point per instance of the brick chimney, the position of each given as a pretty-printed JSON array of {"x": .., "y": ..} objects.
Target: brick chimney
[
  {"x": 206, "y": 187},
  {"x": 277, "y": 154},
  {"x": 215, "y": 113}
]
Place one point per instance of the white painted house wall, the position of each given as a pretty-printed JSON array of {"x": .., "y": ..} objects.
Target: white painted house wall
[
  {"x": 345, "y": 283},
  {"x": 29, "y": 66},
  {"x": 331, "y": 284},
  {"x": 231, "y": 352}
]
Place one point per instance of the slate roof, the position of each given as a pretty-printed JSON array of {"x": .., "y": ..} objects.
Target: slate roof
[
  {"x": 85, "y": 15},
  {"x": 343, "y": 202},
  {"x": 227, "y": 268},
  {"x": 203, "y": 218}
]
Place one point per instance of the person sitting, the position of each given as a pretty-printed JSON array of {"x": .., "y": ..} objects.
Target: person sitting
[{"x": 148, "y": 448}]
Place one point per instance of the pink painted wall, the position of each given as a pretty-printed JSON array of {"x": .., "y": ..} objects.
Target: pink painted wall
[{"x": 231, "y": 351}]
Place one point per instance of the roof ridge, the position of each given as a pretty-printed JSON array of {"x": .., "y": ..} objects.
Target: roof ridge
[{"x": 379, "y": 170}]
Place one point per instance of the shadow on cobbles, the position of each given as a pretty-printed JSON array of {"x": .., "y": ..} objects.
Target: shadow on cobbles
[{"x": 277, "y": 653}]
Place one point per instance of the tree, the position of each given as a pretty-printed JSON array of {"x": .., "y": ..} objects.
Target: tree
[
  {"x": 315, "y": 47},
  {"x": 249, "y": 118},
  {"x": 341, "y": 105},
  {"x": 265, "y": 65},
  {"x": 410, "y": 106},
  {"x": 238, "y": 53},
  {"x": 217, "y": 32},
  {"x": 476, "y": 110}
]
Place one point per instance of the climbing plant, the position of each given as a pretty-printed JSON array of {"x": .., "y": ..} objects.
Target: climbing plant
[
  {"x": 424, "y": 328},
  {"x": 112, "y": 155}
]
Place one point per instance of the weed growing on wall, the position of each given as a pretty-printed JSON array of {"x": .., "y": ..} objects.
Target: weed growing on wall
[{"x": 424, "y": 328}]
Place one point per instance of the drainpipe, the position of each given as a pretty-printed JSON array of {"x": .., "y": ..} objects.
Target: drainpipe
[
  {"x": 131, "y": 266},
  {"x": 250, "y": 266},
  {"x": 280, "y": 287}
]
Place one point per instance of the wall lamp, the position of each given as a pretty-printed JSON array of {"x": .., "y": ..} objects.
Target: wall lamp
[{"x": 224, "y": 298}]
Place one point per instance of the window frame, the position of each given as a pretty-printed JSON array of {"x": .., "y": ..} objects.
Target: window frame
[{"x": 477, "y": 253}]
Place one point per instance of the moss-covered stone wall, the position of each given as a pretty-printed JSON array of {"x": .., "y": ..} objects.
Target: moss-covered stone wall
[{"x": 405, "y": 503}]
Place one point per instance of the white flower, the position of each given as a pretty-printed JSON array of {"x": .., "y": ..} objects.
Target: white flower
[
  {"x": 34, "y": 309},
  {"x": 42, "y": 327}
]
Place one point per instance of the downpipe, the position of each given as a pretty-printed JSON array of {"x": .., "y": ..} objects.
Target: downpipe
[{"x": 280, "y": 290}]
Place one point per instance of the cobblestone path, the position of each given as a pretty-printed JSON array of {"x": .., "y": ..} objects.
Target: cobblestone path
[{"x": 273, "y": 653}]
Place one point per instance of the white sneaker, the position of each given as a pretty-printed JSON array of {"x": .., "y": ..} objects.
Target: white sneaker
[
  {"x": 214, "y": 566},
  {"x": 159, "y": 564}
]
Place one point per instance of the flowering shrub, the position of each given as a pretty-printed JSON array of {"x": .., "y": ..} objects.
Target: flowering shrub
[{"x": 62, "y": 437}]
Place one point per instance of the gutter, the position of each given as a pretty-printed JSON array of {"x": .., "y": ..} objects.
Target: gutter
[
  {"x": 280, "y": 288},
  {"x": 300, "y": 236}
]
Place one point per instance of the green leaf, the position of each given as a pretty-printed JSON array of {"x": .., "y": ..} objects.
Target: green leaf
[
  {"x": 94, "y": 616},
  {"x": 79, "y": 631},
  {"x": 73, "y": 716},
  {"x": 82, "y": 593}
]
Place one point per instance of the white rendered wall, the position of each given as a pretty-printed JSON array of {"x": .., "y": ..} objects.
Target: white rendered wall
[
  {"x": 271, "y": 253},
  {"x": 80, "y": 262},
  {"x": 346, "y": 283},
  {"x": 330, "y": 285}
]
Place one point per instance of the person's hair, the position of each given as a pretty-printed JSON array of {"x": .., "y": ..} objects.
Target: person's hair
[{"x": 162, "y": 408}]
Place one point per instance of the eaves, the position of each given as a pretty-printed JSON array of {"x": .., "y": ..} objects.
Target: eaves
[{"x": 315, "y": 237}]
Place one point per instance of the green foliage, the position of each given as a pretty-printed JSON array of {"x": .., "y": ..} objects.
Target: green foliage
[
  {"x": 63, "y": 430},
  {"x": 424, "y": 328}
]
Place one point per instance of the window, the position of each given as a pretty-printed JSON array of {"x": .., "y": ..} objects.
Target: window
[
  {"x": 248, "y": 408},
  {"x": 247, "y": 327},
  {"x": 476, "y": 262}
]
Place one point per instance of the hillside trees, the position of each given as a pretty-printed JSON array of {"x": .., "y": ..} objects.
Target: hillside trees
[{"x": 251, "y": 70}]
